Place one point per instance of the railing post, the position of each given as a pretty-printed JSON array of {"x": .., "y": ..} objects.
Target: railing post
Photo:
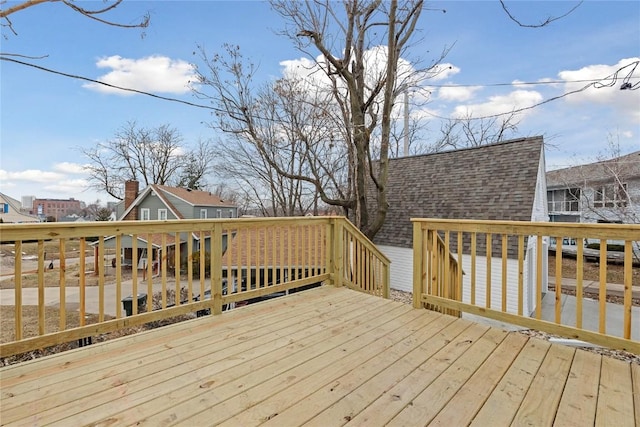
[
  {"x": 216, "y": 268},
  {"x": 387, "y": 281},
  {"x": 337, "y": 250},
  {"x": 418, "y": 264},
  {"x": 329, "y": 254}
]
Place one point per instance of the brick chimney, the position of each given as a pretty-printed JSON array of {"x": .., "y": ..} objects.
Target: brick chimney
[{"x": 130, "y": 194}]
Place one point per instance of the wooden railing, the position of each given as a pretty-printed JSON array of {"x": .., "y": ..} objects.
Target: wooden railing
[
  {"x": 506, "y": 275},
  {"x": 171, "y": 268},
  {"x": 441, "y": 274},
  {"x": 362, "y": 265}
]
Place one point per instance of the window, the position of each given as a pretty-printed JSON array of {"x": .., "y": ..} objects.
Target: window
[
  {"x": 565, "y": 200},
  {"x": 610, "y": 196},
  {"x": 145, "y": 214},
  {"x": 572, "y": 199},
  {"x": 218, "y": 213},
  {"x": 162, "y": 214},
  {"x": 203, "y": 214}
]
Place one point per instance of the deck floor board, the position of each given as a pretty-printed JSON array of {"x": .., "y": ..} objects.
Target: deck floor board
[
  {"x": 578, "y": 403},
  {"x": 541, "y": 402},
  {"x": 324, "y": 357}
]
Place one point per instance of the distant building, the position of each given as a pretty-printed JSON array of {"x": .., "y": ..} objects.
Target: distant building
[
  {"x": 56, "y": 208},
  {"x": 27, "y": 202}
]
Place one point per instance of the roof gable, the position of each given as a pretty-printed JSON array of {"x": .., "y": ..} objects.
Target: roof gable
[
  {"x": 14, "y": 214},
  {"x": 190, "y": 197},
  {"x": 490, "y": 182}
]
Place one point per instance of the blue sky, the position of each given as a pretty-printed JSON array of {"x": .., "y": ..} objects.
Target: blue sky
[{"x": 45, "y": 117}]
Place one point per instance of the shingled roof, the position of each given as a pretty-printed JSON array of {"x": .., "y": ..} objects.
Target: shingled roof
[
  {"x": 491, "y": 182},
  {"x": 193, "y": 197},
  {"x": 627, "y": 166}
]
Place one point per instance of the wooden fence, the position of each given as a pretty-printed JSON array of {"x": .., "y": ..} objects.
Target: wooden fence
[
  {"x": 189, "y": 265},
  {"x": 518, "y": 251}
]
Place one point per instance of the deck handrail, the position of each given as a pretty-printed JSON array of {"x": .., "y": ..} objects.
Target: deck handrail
[
  {"x": 209, "y": 263},
  {"x": 365, "y": 266},
  {"x": 502, "y": 295},
  {"x": 444, "y": 278}
]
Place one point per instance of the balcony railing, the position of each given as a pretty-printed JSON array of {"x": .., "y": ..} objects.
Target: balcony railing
[
  {"x": 189, "y": 266},
  {"x": 506, "y": 274}
]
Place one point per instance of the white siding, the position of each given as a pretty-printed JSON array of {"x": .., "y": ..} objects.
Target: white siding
[
  {"x": 540, "y": 211},
  {"x": 401, "y": 267},
  {"x": 402, "y": 277}
]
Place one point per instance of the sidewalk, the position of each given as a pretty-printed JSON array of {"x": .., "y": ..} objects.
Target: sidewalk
[
  {"x": 593, "y": 286},
  {"x": 614, "y": 314},
  {"x": 92, "y": 296}
]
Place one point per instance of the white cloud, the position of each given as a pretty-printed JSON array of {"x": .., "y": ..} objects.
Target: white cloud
[
  {"x": 56, "y": 184},
  {"x": 457, "y": 93},
  {"x": 150, "y": 74},
  {"x": 72, "y": 168},
  {"x": 375, "y": 58},
  {"x": 624, "y": 102},
  {"x": 627, "y": 134},
  {"x": 67, "y": 186},
  {"x": 31, "y": 175},
  {"x": 444, "y": 71},
  {"x": 500, "y": 104}
]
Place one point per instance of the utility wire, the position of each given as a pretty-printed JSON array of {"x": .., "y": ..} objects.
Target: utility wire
[
  {"x": 74, "y": 76},
  {"x": 608, "y": 81}
]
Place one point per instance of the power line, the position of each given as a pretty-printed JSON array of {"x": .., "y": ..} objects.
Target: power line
[
  {"x": 546, "y": 82},
  {"x": 74, "y": 76},
  {"x": 608, "y": 81}
]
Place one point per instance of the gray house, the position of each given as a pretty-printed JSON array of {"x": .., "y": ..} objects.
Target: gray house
[
  {"x": 161, "y": 203},
  {"x": 501, "y": 181}
]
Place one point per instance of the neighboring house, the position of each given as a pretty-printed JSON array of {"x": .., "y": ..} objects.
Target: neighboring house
[
  {"x": 605, "y": 191},
  {"x": 501, "y": 181},
  {"x": 10, "y": 211},
  {"x": 159, "y": 203}
]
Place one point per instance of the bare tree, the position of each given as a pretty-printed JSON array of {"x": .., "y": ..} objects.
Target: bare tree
[
  {"x": 605, "y": 190},
  {"x": 359, "y": 44},
  {"x": 467, "y": 131},
  {"x": 279, "y": 147},
  {"x": 95, "y": 13},
  {"x": 151, "y": 156},
  {"x": 196, "y": 164}
]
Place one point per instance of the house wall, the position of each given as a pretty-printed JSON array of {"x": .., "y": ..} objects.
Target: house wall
[
  {"x": 402, "y": 277},
  {"x": 189, "y": 211},
  {"x": 626, "y": 214},
  {"x": 212, "y": 212},
  {"x": 153, "y": 203},
  {"x": 540, "y": 210}
]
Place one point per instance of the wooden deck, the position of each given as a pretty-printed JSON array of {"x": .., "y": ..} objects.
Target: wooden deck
[{"x": 324, "y": 357}]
